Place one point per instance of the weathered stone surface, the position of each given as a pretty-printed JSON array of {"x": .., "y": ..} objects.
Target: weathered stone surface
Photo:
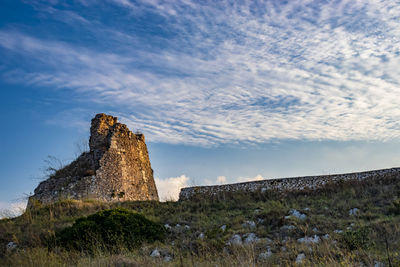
[
  {"x": 288, "y": 184},
  {"x": 300, "y": 258},
  {"x": 236, "y": 240},
  {"x": 117, "y": 168}
]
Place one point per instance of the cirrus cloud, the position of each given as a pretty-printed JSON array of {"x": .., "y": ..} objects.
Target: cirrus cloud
[{"x": 228, "y": 72}]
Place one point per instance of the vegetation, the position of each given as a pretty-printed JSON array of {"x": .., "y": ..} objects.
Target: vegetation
[
  {"x": 356, "y": 239},
  {"x": 110, "y": 230},
  {"x": 195, "y": 236}
]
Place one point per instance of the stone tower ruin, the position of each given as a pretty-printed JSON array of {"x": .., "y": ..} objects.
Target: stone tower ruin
[{"x": 117, "y": 168}]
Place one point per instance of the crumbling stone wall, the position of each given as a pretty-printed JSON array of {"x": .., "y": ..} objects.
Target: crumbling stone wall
[
  {"x": 117, "y": 167},
  {"x": 287, "y": 184}
]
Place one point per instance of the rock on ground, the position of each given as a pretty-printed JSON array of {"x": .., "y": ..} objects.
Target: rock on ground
[
  {"x": 236, "y": 240},
  {"x": 309, "y": 240},
  {"x": 300, "y": 258},
  {"x": 297, "y": 214}
]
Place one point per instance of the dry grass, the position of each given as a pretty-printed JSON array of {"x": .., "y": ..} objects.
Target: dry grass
[{"x": 326, "y": 209}]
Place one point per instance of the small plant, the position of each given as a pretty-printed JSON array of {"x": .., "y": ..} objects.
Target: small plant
[
  {"x": 53, "y": 165},
  {"x": 110, "y": 230},
  {"x": 121, "y": 194}
]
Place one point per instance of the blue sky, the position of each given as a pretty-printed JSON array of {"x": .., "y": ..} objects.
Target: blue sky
[{"x": 224, "y": 91}]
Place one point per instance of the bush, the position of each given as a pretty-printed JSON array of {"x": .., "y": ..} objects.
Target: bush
[
  {"x": 110, "y": 230},
  {"x": 356, "y": 239},
  {"x": 395, "y": 208},
  {"x": 273, "y": 213}
]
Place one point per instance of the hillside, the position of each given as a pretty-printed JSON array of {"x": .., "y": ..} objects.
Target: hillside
[{"x": 353, "y": 223}]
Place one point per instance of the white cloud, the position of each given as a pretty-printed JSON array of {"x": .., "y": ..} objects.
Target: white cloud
[
  {"x": 221, "y": 180},
  {"x": 11, "y": 209},
  {"x": 258, "y": 177},
  {"x": 237, "y": 72},
  {"x": 169, "y": 188}
]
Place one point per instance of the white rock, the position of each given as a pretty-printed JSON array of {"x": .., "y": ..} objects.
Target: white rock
[
  {"x": 225, "y": 250},
  {"x": 236, "y": 240},
  {"x": 326, "y": 236},
  {"x": 167, "y": 258},
  {"x": 337, "y": 231},
  {"x": 379, "y": 264},
  {"x": 249, "y": 224},
  {"x": 155, "y": 253},
  {"x": 315, "y": 229},
  {"x": 251, "y": 238},
  {"x": 265, "y": 255},
  {"x": 288, "y": 227},
  {"x": 187, "y": 227},
  {"x": 11, "y": 246},
  {"x": 353, "y": 211},
  {"x": 300, "y": 258},
  {"x": 309, "y": 240},
  {"x": 223, "y": 228},
  {"x": 201, "y": 236},
  {"x": 263, "y": 190},
  {"x": 167, "y": 226},
  {"x": 297, "y": 214}
]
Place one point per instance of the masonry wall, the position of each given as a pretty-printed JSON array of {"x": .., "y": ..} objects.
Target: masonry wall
[
  {"x": 117, "y": 168},
  {"x": 287, "y": 184}
]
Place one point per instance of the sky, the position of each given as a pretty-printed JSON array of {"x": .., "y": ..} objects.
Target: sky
[{"x": 224, "y": 91}]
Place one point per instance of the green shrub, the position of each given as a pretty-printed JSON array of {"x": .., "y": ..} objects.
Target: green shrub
[
  {"x": 395, "y": 208},
  {"x": 110, "y": 230},
  {"x": 214, "y": 233},
  {"x": 273, "y": 213},
  {"x": 356, "y": 239}
]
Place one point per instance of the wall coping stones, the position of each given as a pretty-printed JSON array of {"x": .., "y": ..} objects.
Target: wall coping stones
[{"x": 287, "y": 184}]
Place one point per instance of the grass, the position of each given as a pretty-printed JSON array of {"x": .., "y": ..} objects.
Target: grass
[{"x": 372, "y": 235}]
